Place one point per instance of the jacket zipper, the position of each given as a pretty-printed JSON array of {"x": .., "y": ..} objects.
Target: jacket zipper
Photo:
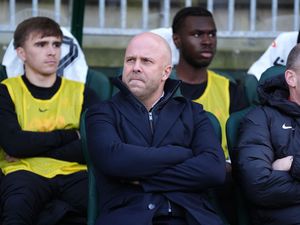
[
  {"x": 151, "y": 121},
  {"x": 169, "y": 207}
]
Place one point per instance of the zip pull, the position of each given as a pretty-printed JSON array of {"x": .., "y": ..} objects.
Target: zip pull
[
  {"x": 169, "y": 207},
  {"x": 150, "y": 117},
  {"x": 151, "y": 121}
]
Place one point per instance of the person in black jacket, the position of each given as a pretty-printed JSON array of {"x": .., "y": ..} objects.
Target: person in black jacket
[
  {"x": 268, "y": 165},
  {"x": 45, "y": 178},
  {"x": 155, "y": 155},
  {"x": 195, "y": 36}
]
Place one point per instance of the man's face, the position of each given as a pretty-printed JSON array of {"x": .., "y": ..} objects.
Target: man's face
[
  {"x": 196, "y": 40},
  {"x": 40, "y": 55},
  {"x": 145, "y": 67}
]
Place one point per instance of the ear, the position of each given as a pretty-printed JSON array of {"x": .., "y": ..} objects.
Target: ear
[
  {"x": 290, "y": 77},
  {"x": 21, "y": 53},
  {"x": 176, "y": 40},
  {"x": 167, "y": 72}
]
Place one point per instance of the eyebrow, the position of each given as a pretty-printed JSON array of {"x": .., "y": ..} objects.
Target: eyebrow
[
  {"x": 204, "y": 30},
  {"x": 46, "y": 42}
]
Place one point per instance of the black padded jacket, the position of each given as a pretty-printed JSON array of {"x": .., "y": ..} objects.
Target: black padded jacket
[{"x": 269, "y": 132}]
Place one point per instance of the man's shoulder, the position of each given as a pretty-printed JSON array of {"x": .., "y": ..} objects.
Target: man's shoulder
[
  {"x": 187, "y": 103},
  {"x": 72, "y": 82},
  {"x": 261, "y": 113},
  {"x": 97, "y": 109},
  {"x": 11, "y": 79},
  {"x": 12, "y": 84},
  {"x": 221, "y": 76},
  {"x": 69, "y": 85}
]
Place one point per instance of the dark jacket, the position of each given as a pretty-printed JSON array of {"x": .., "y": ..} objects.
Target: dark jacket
[
  {"x": 270, "y": 132},
  {"x": 175, "y": 156}
]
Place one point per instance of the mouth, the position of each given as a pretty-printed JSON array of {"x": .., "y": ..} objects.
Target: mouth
[
  {"x": 135, "y": 80},
  {"x": 51, "y": 62},
  {"x": 207, "y": 54}
]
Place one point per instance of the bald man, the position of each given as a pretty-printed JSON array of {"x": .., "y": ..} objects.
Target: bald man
[{"x": 155, "y": 155}]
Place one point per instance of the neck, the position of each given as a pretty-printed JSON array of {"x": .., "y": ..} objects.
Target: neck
[
  {"x": 41, "y": 80},
  {"x": 293, "y": 98},
  {"x": 190, "y": 74},
  {"x": 151, "y": 101}
]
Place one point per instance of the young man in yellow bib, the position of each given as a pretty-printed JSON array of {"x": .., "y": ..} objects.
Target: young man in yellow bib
[
  {"x": 195, "y": 36},
  {"x": 45, "y": 179}
]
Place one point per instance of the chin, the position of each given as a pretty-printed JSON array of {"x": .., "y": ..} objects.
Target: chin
[
  {"x": 201, "y": 64},
  {"x": 49, "y": 74},
  {"x": 136, "y": 92}
]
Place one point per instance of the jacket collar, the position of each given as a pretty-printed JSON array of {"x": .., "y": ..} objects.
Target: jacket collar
[
  {"x": 274, "y": 92},
  {"x": 136, "y": 113},
  {"x": 171, "y": 89}
]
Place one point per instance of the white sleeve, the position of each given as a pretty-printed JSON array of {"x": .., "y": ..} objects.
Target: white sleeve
[{"x": 276, "y": 54}]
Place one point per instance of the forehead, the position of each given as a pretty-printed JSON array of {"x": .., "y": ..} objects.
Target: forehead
[
  {"x": 199, "y": 23},
  {"x": 35, "y": 36},
  {"x": 144, "y": 47}
]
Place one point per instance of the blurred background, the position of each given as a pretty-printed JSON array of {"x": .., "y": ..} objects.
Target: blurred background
[{"x": 245, "y": 27}]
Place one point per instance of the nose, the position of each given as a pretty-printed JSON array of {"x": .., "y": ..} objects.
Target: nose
[
  {"x": 136, "y": 66},
  {"x": 206, "y": 39},
  {"x": 51, "y": 50}
]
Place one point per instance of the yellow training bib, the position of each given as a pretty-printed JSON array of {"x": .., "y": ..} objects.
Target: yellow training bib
[
  {"x": 216, "y": 99},
  {"x": 60, "y": 112}
]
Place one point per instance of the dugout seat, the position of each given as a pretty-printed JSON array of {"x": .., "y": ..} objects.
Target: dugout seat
[{"x": 232, "y": 135}]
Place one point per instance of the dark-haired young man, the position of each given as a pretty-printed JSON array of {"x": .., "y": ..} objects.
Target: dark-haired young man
[{"x": 45, "y": 180}]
